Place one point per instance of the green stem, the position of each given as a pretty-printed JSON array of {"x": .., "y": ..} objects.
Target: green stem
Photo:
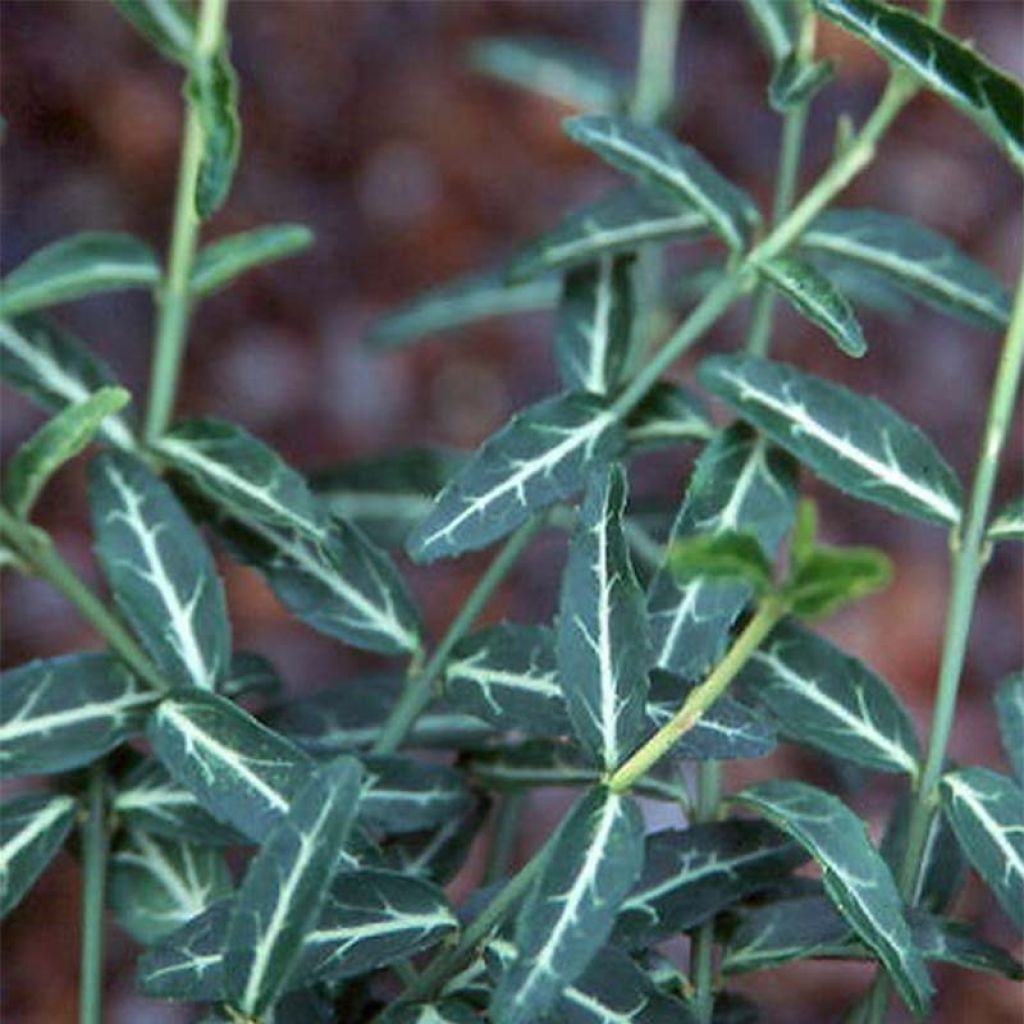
[
  {"x": 419, "y": 691},
  {"x": 175, "y": 301},
  {"x": 94, "y": 857},
  {"x": 503, "y": 841},
  {"x": 709, "y": 793}
]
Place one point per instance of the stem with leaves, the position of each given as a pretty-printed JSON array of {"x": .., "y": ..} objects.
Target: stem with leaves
[{"x": 95, "y": 847}]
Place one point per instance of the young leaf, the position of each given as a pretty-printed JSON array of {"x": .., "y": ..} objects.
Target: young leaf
[
  {"x": 33, "y": 828},
  {"x": 667, "y": 415},
  {"x": 540, "y": 456},
  {"x": 1009, "y": 523},
  {"x": 221, "y": 262},
  {"x": 77, "y": 266},
  {"x": 285, "y": 887},
  {"x": 825, "y": 699},
  {"x": 912, "y": 257},
  {"x": 727, "y": 555},
  {"x": 856, "y": 878},
  {"x": 621, "y": 222},
  {"x": 986, "y": 810},
  {"x": 58, "y": 441},
  {"x": 403, "y": 794},
  {"x": 855, "y": 443},
  {"x": 160, "y": 570},
  {"x": 1010, "y": 709},
  {"x": 777, "y": 23},
  {"x": 212, "y": 91},
  {"x": 594, "y": 321},
  {"x": 570, "y": 911},
  {"x": 811, "y": 293},
  {"x": 66, "y": 712},
  {"x": 168, "y": 24},
  {"x": 830, "y": 578},
  {"x": 993, "y": 99},
  {"x": 157, "y": 885}
]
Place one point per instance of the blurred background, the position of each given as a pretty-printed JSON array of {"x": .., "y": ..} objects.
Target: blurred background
[{"x": 363, "y": 120}]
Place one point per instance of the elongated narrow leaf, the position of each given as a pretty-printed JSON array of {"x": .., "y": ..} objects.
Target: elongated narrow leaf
[
  {"x": 459, "y": 303},
  {"x": 993, "y": 99},
  {"x": 954, "y": 942},
  {"x": 812, "y": 294},
  {"x": 33, "y": 828},
  {"x": 986, "y": 810},
  {"x": 66, "y": 712},
  {"x": 285, "y": 886},
  {"x": 168, "y": 24},
  {"x": 1009, "y": 523},
  {"x": 75, "y": 267},
  {"x": 569, "y": 913},
  {"x": 221, "y": 262},
  {"x": 603, "y": 645},
  {"x": 56, "y": 370},
  {"x": 55, "y": 443},
  {"x": 447, "y": 1011},
  {"x": 625, "y": 219},
  {"x": 437, "y": 855},
  {"x": 160, "y": 570},
  {"x": 740, "y": 483},
  {"x": 1010, "y": 709},
  {"x": 777, "y": 23},
  {"x": 690, "y": 876},
  {"x": 854, "y": 442},
  {"x": 250, "y": 674},
  {"x": 856, "y": 878},
  {"x": 658, "y": 160},
  {"x": 913, "y": 258},
  {"x": 158, "y": 884},
  {"x": 540, "y": 456},
  {"x": 669, "y": 414},
  {"x": 403, "y": 794},
  {"x": 212, "y": 91}
]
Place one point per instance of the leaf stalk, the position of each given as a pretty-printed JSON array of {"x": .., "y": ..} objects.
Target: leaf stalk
[{"x": 95, "y": 849}]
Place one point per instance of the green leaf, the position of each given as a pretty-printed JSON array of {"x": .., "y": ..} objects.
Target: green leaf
[
  {"x": 691, "y": 875},
  {"x": 285, "y": 887},
  {"x": 602, "y": 643},
  {"x": 1010, "y": 710},
  {"x": 168, "y": 24},
  {"x": 921, "y": 262},
  {"x": 58, "y": 441},
  {"x": 854, "y": 442},
  {"x": 160, "y": 571},
  {"x": 856, "y": 878},
  {"x": 66, "y": 712},
  {"x": 595, "y": 318},
  {"x": 993, "y": 99},
  {"x": 448, "y": 1011},
  {"x": 508, "y": 675},
  {"x": 954, "y": 942},
  {"x": 811, "y": 293},
  {"x": 728, "y": 555},
  {"x": 221, "y": 262},
  {"x": 157, "y": 885},
  {"x": 56, "y": 370},
  {"x": 795, "y": 82},
  {"x": 464, "y": 301},
  {"x": 551, "y": 68},
  {"x": 825, "y": 699},
  {"x": 403, "y": 794},
  {"x": 33, "y": 828},
  {"x": 831, "y": 578},
  {"x": 250, "y": 674},
  {"x": 437, "y": 855},
  {"x": 659, "y": 161},
  {"x": 1009, "y": 522},
  {"x": 740, "y": 483},
  {"x": 986, "y": 810},
  {"x": 777, "y": 23},
  {"x": 667, "y": 415},
  {"x": 569, "y": 913},
  {"x": 537, "y": 458},
  {"x": 621, "y": 222},
  {"x": 212, "y": 92},
  {"x": 77, "y": 266}
]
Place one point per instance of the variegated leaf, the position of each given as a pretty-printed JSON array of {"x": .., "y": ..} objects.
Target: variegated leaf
[
  {"x": 437, "y": 855},
  {"x": 1010, "y": 709},
  {"x": 447, "y": 1011},
  {"x": 667, "y": 415},
  {"x": 403, "y": 794}
]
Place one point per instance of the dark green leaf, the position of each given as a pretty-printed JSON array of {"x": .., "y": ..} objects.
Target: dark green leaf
[
  {"x": 727, "y": 555},
  {"x": 168, "y": 24},
  {"x": 250, "y": 674},
  {"x": 667, "y": 415},
  {"x": 1009, "y": 522},
  {"x": 953, "y": 942},
  {"x": 1010, "y": 709},
  {"x": 212, "y": 91},
  {"x": 830, "y": 578},
  {"x": 777, "y": 22},
  {"x": 403, "y": 794},
  {"x": 221, "y": 262},
  {"x": 438, "y": 855},
  {"x": 796, "y": 80},
  {"x": 448, "y": 1011}
]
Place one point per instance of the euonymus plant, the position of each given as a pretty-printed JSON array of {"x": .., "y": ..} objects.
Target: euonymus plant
[{"x": 678, "y": 641}]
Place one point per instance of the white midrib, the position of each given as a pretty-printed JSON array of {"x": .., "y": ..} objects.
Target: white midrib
[
  {"x": 153, "y": 860},
  {"x": 598, "y": 238},
  {"x": 544, "y": 684},
  {"x": 606, "y": 668},
  {"x": 39, "y": 824},
  {"x": 993, "y": 830},
  {"x": 83, "y": 713},
  {"x": 599, "y": 333},
  {"x": 100, "y": 271},
  {"x": 712, "y": 867},
  {"x": 402, "y": 923}
]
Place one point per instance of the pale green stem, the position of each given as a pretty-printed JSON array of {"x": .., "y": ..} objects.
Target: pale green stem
[
  {"x": 709, "y": 793},
  {"x": 503, "y": 840},
  {"x": 95, "y": 844}
]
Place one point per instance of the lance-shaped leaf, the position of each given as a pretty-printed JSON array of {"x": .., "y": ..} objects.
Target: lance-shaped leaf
[
  {"x": 157, "y": 885},
  {"x": 160, "y": 571},
  {"x": 594, "y": 321},
  {"x": 55, "y": 369},
  {"x": 285, "y": 887},
  {"x": 537, "y": 458},
  {"x": 667, "y": 415},
  {"x": 856, "y": 878},
  {"x": 603, "y": 647},
  {"x": 825, "y": 699},
  {"x": 740, "y": 483},
  {"x": 777, "y": 23},
  {"x": 250, "y": 674},
  {"x": 691, "y": 875},
  {"x": 464, "y": 301},
  {"x": 954, "y": 942},
  {"x": 829, "y": 578},
  {"x": 856, "y": 443},
  {"x": 913, "y": 258},
  {"x": 169, "y": 25},
  {"x": 813, "y": 294},
  {"x": 78, "y": 266},
  {"x": 986, "y": 810},
  {"x": 438, "y": 855},
  {"x": 403, "y": 794},
  {"x": 221, "y": 262},
  {"x": 447, "y": 1011},
  {"x": 56, "y": 442},
  {"x": 33, "y": 828},
  {"x": 627, "y": 218},
  {"x": 508, "y": 676},
  {"x": 212, "y": 92},
  {"x": 66, "y": 712},
  {"x": 1010, "y": 710},
  {"x": 658, "y": 160},
  {"x": 993, "y": 99},
  {"x": 1009, "y": 522},
  {"x": 570, "y": 911}
]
